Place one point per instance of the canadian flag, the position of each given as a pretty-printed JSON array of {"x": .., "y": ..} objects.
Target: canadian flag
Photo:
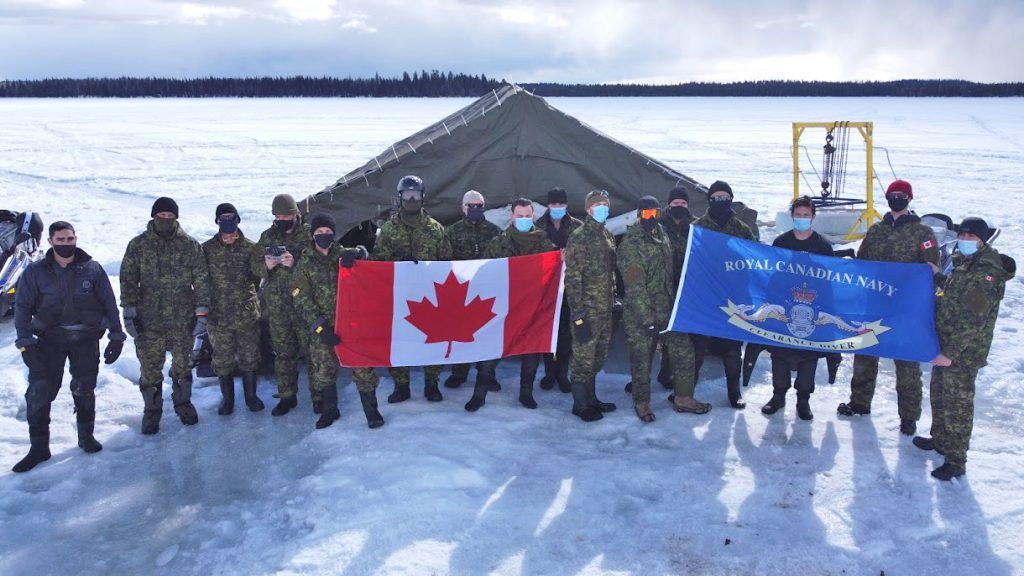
[{"x": 427, "y": 313}]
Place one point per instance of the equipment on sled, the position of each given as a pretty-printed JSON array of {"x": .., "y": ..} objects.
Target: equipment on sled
[{"x": 20, "y": 234}]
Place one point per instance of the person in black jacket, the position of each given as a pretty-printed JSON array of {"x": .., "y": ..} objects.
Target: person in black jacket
[
  {"x": 787, "y": 360},
  {"x": 64, "y": 304}
]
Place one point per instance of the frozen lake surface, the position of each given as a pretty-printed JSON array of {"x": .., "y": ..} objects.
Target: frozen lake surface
[{"x": 505, "y": 490}]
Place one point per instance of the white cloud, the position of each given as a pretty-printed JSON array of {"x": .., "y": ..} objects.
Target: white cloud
[
  {"x": 200, "y": 14},
  {"x": 358, "y": 22},
  {"x": 303, "y": 10}
]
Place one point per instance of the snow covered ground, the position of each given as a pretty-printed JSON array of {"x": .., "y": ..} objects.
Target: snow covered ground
[{"x": 505, "y": 490}]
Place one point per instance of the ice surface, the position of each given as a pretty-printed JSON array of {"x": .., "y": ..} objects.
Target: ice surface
[{"x": 505, "y": 490}]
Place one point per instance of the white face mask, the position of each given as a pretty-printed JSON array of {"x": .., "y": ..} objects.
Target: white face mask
[{"x": 967, "y": 247}]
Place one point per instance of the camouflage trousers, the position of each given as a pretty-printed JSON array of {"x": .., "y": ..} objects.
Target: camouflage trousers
[
  {"x": 677, "y": 347},
  {"x": 588, "y": 357},
  {"x": 908, "y": 385},
  {"x": 952, "y": 400},
  {"x": 366, "y": 379},
  {"x": 151, "y": 349},
  {"x": 236, "y": 346},
  {"x": 323, "y": 366},
  {"x": 401, "y": 375},
  {"x": 287, "y": 336}
]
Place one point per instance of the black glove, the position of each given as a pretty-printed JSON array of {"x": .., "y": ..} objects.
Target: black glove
[
  {"x": 845, "y": 253},
  {"x": 322, "y": 330},
  {"x": 581, "y": 328},
  {"x": 350, "y": 255},
  {"x": 30, "y": 354},
  {"x": 1009, "y": 264},
  {"x": 652, "y": 330},
  {"x": 112, "y": 351},
  {"x": 132, "y": 325}
]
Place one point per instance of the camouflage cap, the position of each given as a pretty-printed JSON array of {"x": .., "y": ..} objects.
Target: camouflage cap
[{"x": 284, "y": 205}]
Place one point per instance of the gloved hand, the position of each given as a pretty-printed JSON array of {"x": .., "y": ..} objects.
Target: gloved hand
[
  {"x": 112, "y": 351},
  {"x": 200, "y": 327},
  {"x": 652, "y": 330},
  {"x": 132, "y": 325},
  {"x": 845, "y": 253},
  {"x": 581, "y": 328},
  {"x": 325, "y": 332},
  {"x": 350, "y": 255},
  {"x": 30, "y": 353}
]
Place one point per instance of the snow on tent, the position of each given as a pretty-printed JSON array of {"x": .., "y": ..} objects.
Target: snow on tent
[{"x": 507, "y": 144}]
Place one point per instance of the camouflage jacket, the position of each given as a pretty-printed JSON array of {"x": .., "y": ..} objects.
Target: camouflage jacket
[
  {"x": 512, "y": 242},
  {"x": 165, "y": 279},
  {"x": 234, "y": 279},
  {"x": 645, "y": 262},
  {"x": 905, "y": 240},
  {"x": 733, "y": 227},
  {"x": 966, "y": 311},
  {"x": 590, "y": 269},
  {"x": 277, "y": 283},
  {"x": 469, "y": 240},
  {"x": 403, "y": 239},
  {"x": 558, "y": 236},
  {"x": 678, "y": 235},
  {"x": 315, "y": 284}
]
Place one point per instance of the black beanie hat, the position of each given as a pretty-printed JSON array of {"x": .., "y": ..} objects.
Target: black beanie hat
[
  {"x": 226, "y": 208},
  {"x": 557, "y": 195},
  {"x": 647, "y": 202},
  {"x": 321, "y": 220},
  {"x": 719, "y": 186},
  {"x": 164, "y": 204},
  {"x": 978, "y": 227},
  {"x": 679, "y": 193}
]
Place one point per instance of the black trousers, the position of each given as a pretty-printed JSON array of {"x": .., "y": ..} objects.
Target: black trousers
[
  {"x": 782, "y": 369},
  {"x": 83, "y": 356}
]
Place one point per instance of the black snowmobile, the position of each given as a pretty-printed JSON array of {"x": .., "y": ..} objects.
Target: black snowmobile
[{"x": 20, "y": 235}]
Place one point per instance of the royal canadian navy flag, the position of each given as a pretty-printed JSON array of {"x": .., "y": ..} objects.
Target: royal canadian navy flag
[{"x": 428, "y": 313}]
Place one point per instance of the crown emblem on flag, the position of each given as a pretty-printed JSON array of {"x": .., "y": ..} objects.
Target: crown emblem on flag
[{"x": 804, "y": 295}]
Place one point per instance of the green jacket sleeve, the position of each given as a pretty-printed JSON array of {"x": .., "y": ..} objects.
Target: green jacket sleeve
[
  {"x": 200, "y": 277},
  {"x": 130, "y": 276}
]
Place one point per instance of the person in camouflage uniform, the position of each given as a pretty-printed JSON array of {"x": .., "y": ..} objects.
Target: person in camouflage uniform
[
  {"x": 721, "y": 218},
  {"x": 412, "y": 235},
  {"x": 645, "y": 260},
  {"x": 676, "y": 223},
  {"x": 558, "y": 225},
  {"x": 590, "y": 291},
  {"x": 165, "y": 294},
  {"x": 289, "y": 236},
  {"x": 469, "y": 238},
  {"x": 965, "y": 319},
  {"x": 899, "y": 237},
  {"x": 521, "y": 238},
  {"x": 315, "y": 294},
  {"x": 234, "y": 310}
]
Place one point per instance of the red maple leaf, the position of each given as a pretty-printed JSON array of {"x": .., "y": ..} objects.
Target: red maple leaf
[{"x": 452, "y": 320}]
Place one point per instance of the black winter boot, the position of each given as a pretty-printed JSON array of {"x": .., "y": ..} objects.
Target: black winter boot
[
  {"x": 947, "y": 472},
  {"x": 39, "y": 452},
  {"x": 252, "y": 400},
  {"x": 562, "y": 377},
  {"x": 777, "y": 403},
  {"x": 908, "y": 427},
  {"x": 431, "y": 392},
  {"x": 803, "y": 407},
  {"x": 227, "y": 394},
  {"x": 581, "y": 406},
  {"x": 733, "y": 368},
  {"x": 852, "y": 408},
  {"x": 550, "y": 367},
  {"x": 479, "y": 395},
  {"x": 153, "y": 409},
  {"x": 284, "y": 405},
  {"x": 86, "y": 426},
  {"x": 454, "y": 381},
  {"x": 526, "y": 394},
  {"x": 592, "y": 392},
  {"x": 181, "y": 395},
  {"x": 329, "y": 412},
  {"x": 401, "y": 394},
  {"x": 369, "y": 402}
]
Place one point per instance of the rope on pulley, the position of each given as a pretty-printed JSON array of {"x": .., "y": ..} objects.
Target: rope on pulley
[{"x": 833, "y": 161}]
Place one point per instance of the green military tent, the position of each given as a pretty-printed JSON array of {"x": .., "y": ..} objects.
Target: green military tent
[{"x": 507, "y": 144}]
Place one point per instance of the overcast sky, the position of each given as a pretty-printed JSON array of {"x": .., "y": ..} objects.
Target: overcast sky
[{"x": 567, "y": 41}]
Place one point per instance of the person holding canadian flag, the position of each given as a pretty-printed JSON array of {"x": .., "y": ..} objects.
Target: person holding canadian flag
[
  {"x": 590, "y": 291},
  {"x": 899, "y": 237}
]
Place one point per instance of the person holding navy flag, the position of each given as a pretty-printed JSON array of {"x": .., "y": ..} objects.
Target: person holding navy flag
[
  {"x": 965, "y": 319},
  {"x": 785, "y": 361},
  {"x": 899, "y": 237},
  {"x": 721, "y": 218}
]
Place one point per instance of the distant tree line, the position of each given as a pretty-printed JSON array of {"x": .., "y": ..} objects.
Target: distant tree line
[{"x": 447, "y": 84}]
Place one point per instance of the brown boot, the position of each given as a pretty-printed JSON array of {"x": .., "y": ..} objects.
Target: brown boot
[
  {"x": 643, "y": 412},
  {"x": 687, "y": 405}
]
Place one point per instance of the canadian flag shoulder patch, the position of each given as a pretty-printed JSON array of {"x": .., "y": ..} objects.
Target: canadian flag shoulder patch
[
  {"x": 927, "y": 244},
  {"x": 990, "y": 278}
]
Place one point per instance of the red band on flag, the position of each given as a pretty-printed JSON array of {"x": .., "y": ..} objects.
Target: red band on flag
[
  {"x": 363, "y": 314},
  {"x": 533, "y": 290}
]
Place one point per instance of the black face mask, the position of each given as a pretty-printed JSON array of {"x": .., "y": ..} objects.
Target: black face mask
[
  {"x": 720, "y": 211},
  {"x": 649, "y": 224},
  {"x": 412, "y": 207},
  {"x": 283, "y": 225},
  {"x": 474, "y": 214},
  {"x": 898, "y": 204},
  {"x": 64, "y": 250},
  {"x": 324, "y": 241},
  {"x": 230, "y": 226},
  {"x": 680, "y": 212}
]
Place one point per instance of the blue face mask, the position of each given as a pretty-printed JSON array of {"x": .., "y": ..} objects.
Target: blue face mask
[
  {"x": 557, "y": 213},
  {"x": 967, "y": 247},
  {"x": 600, "y": 213},
  {"x": 524, "y": 224},
  {"x": 801, "y": 224}
]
